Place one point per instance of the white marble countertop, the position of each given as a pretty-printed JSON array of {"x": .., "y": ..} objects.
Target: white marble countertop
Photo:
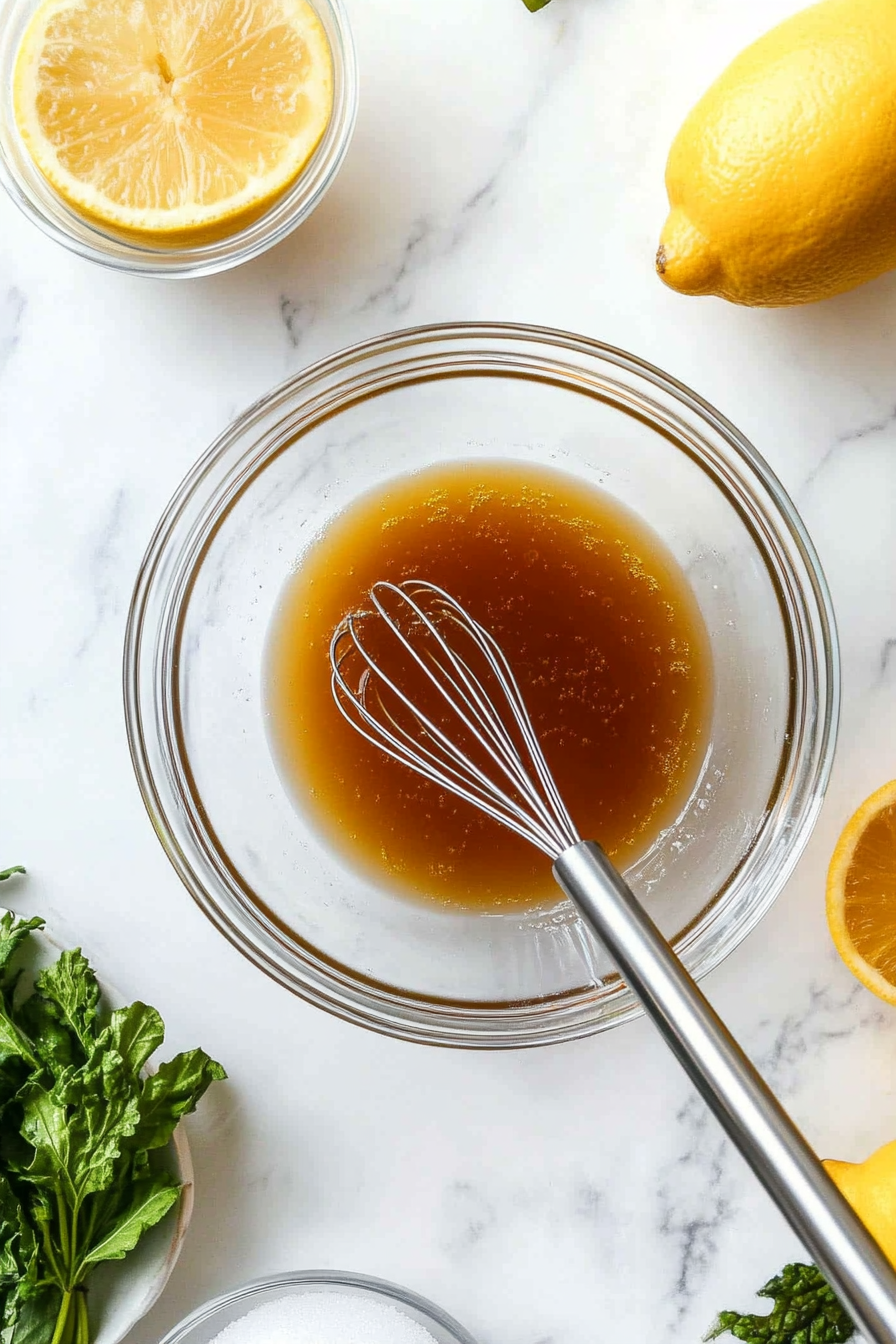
[{"x": 505, "y": 166}]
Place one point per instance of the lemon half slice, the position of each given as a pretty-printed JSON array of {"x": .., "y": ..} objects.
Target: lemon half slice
[
  {"x": 861, "y": 893},
  {"x": 173, "y": 117}
]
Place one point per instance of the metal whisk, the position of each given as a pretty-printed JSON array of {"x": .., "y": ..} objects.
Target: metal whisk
[{"x": 476, "y": 740}]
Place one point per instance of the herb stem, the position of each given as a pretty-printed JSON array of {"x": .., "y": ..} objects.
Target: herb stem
[
  {"x": 50, "y": 1253},
  {"x": 91, "y": 1222},
  {"x": 83, "y": 1336},
  {"x": 62, "y": 1318},
  {"x": 64, "y": 1244},
  {"x": 73, "y": 1250}
]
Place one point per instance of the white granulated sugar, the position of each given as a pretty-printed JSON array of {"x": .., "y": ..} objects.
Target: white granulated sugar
[{"x": 324, "y": 1318}]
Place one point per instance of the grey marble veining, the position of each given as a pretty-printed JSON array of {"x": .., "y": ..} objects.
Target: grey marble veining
[{"x": 12, "y": 310}]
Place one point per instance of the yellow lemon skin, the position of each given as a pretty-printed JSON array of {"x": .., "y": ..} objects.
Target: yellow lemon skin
[
  {"x": 782, "y": 179},
  {"x": 870, "y": 1187}
]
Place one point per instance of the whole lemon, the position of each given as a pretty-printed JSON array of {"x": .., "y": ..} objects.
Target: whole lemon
[
  {"x": 782, "y": 179},
  {"x": 870, "y": 1187}
]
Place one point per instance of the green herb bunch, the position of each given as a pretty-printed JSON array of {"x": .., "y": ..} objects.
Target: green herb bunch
[
  {"x": 79, "y": 1123},
  {"x": 806, "y": 1311}
]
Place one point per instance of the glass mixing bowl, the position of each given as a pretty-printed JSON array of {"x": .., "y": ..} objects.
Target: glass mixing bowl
[
  {"x": 41, "y": 203},
  {"x": 206, "y": 1322},
  {"x": 214, "y": 572}
]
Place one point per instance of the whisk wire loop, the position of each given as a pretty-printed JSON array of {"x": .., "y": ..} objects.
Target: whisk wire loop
[
  {"x": 401, "y": 746},
  {"x": 479, "y": 713},
  {"x": 525, "y": 796},
  {"x": 478, "y": 707},
  {"x": 412, "y": 750}
]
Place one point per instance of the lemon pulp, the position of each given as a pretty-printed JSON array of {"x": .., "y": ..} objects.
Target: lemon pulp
[
  {"x": 172, "y": 117},
  {"x": 861, "y": 893}
]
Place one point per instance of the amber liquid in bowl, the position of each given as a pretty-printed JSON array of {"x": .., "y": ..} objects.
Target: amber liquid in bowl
[{"x": 605, "y": 639}]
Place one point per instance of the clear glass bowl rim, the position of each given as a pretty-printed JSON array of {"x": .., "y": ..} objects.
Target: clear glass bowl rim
[
  {"x": 327, "y": 1278},
  {"x": 409, "y": 1016},
  {"x": 290, "y": 210}
]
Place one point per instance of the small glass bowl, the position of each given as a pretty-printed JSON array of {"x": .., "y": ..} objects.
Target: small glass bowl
[
  {"x": 33, "y": 194},
  {"x": 203, "y": 1324},
  {"x": 211, "y": 580}
]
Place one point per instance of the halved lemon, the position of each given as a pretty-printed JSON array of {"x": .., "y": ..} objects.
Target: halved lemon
[
  {"x": 173, "y": 117},
  {"x": 861, "y": 893}
]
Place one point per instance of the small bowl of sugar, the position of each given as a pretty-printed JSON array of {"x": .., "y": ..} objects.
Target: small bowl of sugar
[{"x": 319, "y": 1307}]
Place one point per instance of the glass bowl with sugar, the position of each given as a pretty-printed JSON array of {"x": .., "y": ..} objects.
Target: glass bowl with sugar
[{"x": 319, "y": 1307}]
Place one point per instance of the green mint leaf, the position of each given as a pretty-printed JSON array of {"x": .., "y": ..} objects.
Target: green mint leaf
[
  {"x": 172, "y": 1092},
  {"x": 14, "y": 931},
  {"x": 102, "y": 1104},
  {"x": 150, "y": 1201},
  {"x": 84, "y": 1130},
  {"x": 134, "y": 1033},
  {"x": 45, "y": 1127},
  {"x": 29, "y": 1317},
  {"x": 14, "y": 1073},
  {"x": 16, "y": 1154},
  {"x": 17, "y": 1243},
  {"x": 29, "y": 1304},
  {"x": 9, "y": 1261},
  {"x": 140, "y": 1164},
  {"x": 103, "y": 1126},
  {"x": 8, "y": 872},
  {"x": 54, "y": 1044},
  {"x": 14, "y": 1044},
  {"x": 534, "y": 5},
  {"x": 76, "y": 1129},
  {"x": 71, "y": 986},
  {"x": 805, "y": 1311}
]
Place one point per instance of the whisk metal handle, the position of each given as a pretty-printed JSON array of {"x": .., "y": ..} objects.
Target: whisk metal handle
[{"x": 734, "y": 1091}]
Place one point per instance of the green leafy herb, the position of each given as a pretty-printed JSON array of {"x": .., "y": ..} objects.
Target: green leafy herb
[
  {"x": 805, "y": 1311},
  {"x": 79, "y": 1121},
  {"x": 533, "y": 5}
]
